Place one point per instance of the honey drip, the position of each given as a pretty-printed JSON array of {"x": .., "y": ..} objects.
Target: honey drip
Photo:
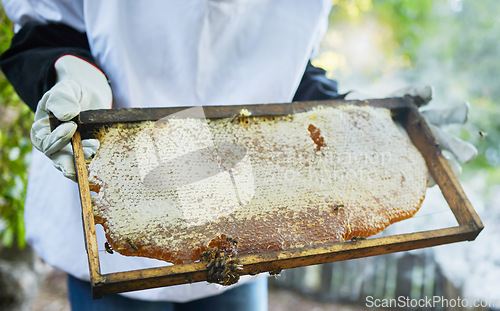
[{"x": 316, "y": 136}]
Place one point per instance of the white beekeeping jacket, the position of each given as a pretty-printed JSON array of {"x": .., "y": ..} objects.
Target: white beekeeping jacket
[{"x": 167, "y": 53}]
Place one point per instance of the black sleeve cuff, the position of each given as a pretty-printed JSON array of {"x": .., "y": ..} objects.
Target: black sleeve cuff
[
  {"x": 316, "y": 86},
  {"x": 29, "y": 62}
]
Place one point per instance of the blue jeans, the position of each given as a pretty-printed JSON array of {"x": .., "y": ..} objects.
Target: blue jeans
[{"x": 247, "y": 297}]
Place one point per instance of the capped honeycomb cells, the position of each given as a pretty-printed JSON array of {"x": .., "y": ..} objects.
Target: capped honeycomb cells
[{"x": 168, "y": 190}]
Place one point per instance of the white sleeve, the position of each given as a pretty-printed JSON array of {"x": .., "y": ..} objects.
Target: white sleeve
[{"x": 69, "y": 12}]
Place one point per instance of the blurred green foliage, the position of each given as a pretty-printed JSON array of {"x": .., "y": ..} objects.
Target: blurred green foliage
[
  {"x": 470, "y": 51},
  {"x": 15, "y": 146},
  {"x": 409, "y": 20},
  {"x": 453, "y": 46},
  {"x": 461, "y": 50}
]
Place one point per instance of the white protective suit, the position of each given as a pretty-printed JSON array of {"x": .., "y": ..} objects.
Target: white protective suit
[{"x": 166, "y": 53}]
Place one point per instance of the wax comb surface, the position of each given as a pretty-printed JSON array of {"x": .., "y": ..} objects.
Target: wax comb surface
[{"x": 175, "y": 188}]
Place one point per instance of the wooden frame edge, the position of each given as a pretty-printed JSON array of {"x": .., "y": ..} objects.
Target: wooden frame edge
[
  {"x": 87, "y": 214},
  {"x": 271, "y": 261}
]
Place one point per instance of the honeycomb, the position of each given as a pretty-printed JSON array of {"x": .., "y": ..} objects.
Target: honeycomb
[{"x": 176, "y": 188}]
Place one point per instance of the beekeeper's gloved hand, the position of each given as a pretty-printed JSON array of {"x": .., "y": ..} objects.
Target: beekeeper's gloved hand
[
  {"x": 79, "y": 86},
  {"x": 436, "y": 118}
]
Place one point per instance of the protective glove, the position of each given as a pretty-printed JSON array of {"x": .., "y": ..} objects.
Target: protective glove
[
  {"x": 79, "y": 86},
  {"x": 454, "y": 148}
]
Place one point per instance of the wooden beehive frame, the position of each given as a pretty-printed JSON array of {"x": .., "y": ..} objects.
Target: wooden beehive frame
[{"x": 403, "y": 109}]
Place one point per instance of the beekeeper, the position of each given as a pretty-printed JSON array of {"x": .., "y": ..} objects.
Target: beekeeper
[{"x": 69, "y": 56}]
